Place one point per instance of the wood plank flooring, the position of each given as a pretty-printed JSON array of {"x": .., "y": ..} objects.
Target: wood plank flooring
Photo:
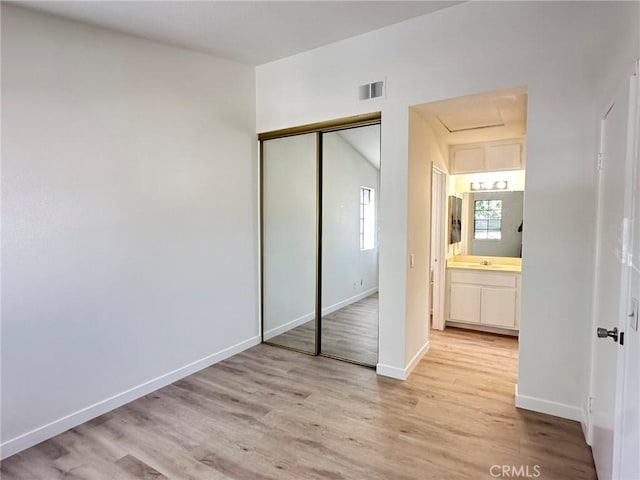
[
  {"x": 270, "y": 413},
  {"x": 350, "y": 333}
]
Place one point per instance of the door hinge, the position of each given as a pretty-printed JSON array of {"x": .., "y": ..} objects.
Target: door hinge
[
  {"x": 600, "y": 161},
  {"x": 590, "y": 404}
]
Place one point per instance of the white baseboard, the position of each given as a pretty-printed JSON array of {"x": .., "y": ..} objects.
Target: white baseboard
[
  {"x": 356, "y": 298},
  {"x": 483, "y": 328},
  {"x": 63, "y": 424},
  {"x": 586, "y": 430},
  {"x": 548, "y": 407},
  {"x": 402, "y": 373},
  {"x": 274, "y": 332},
  {"x": 389, "y": 371},
  {"x": 416, "y": 359}
]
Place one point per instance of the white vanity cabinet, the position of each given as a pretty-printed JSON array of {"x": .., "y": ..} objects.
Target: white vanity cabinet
[{"x": 484, "y": 297}]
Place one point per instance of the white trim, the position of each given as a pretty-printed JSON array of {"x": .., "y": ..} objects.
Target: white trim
[
  {"x": 356, "y": 298},
  {"x": 586, "y": 429},
  {"x": 296, "y": 322},
  {"x": 402, "y": 373},
  {"x": 481, "y": 327},
  {"x": 416, "y": 359},
  {"x": 274, "y": 332},
  {"x": 548, "y": 407},
  {"x": 391, "y": 372},
  {"x": 63, "y": 424}
]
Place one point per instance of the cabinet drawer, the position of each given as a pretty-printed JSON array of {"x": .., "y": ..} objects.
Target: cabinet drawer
[{"x": 485, "y": 278}]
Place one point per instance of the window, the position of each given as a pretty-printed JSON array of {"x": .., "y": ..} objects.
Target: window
[
  {"x": 367, "y": 218},
  {"x": 487, "y": 220}
]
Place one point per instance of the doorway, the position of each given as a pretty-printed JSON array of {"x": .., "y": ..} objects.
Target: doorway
[
  {"x": 477, "y": 215},
  {"x": 319, "y": 238}
]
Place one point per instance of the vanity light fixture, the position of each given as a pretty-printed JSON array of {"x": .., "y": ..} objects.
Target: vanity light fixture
[{"x": 489, "y": 186}]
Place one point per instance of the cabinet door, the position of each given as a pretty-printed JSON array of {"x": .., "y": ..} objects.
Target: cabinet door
[
  {"x": 499, "y": 307},
  {"x": 465, "y": 303},
  {"x": 468, "y": 160},
  {"x": 504, "y": 157}
]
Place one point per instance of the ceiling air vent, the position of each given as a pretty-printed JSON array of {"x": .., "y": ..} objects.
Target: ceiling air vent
[{"x": 371, "y": 90}]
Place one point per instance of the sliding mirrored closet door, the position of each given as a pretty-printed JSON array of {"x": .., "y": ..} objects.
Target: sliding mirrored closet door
[
  {"x": 319, "y": 225},
  {"x": 350, "y": 188},
  {"x": 289, "y": 212}
]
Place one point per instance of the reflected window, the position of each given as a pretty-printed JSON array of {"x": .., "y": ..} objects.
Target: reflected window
[
  {"x": 367, "y": 218},
  {"x": 487, "y": 220}
]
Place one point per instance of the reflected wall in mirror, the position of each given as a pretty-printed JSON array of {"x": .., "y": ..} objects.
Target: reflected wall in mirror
[
  {"x": 495, "y": 222},
  {"x": 350, "y": 197},
  {"x": 455, "y": 219},
  {"x": 289, "y": 212}
]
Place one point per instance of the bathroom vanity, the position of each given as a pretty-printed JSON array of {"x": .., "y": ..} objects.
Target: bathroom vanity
[{"x": 483, "y": 293}]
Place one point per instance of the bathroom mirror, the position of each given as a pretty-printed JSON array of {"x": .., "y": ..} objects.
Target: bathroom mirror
[{"x": 495, "y": 223}]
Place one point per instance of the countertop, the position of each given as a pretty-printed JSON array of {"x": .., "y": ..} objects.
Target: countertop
[{"x": 496, "y": 264}]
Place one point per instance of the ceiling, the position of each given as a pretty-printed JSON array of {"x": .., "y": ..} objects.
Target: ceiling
[
  {"x": 252, "y": 32},
  {"x": 479, "y": 118},
  {"x": 366, "y": 141}
]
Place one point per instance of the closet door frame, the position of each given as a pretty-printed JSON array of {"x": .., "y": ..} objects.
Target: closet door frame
[{"x": 319, "y": 129}]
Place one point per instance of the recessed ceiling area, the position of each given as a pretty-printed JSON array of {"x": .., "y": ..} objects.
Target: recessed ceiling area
[
  {"x": 251, "y": 32},
  {"x": 478, "y": 118}
]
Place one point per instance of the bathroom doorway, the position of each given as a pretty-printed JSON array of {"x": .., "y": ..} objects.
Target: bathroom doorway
[{"x": 477, "y": 216}]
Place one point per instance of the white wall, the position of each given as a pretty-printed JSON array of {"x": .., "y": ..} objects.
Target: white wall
[
  {"x": 469, "y": 48},
  {"x": 129, "y": 209},
  {"x": 423, "y": 152},
  {"x": 344, "y": 171}
]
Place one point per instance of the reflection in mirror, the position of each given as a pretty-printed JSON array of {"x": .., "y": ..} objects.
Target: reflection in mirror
[
  {"x": 289, "y": 241},
  {"x": 350, "y": 198},
  {"x": 495, "y": 223}
]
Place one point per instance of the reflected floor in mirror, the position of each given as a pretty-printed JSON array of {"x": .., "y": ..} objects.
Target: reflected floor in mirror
[{"x": 350, "y": 333}]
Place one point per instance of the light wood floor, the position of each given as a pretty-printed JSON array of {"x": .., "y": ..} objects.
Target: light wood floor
[
  {"x": 350, "y": 333},
  {"x": 270, "y": 413}
]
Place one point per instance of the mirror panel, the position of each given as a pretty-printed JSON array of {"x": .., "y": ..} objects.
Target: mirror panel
[
  {"x": 350, "y": 197},
  {"x": 494, "y": 223},
  {"x": 289, "y": 212}
]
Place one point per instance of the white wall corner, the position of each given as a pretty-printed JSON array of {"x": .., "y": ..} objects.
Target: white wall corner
[
  {"x": 403, "y": 373},
  {"x": 45, "y": 432},
  {"x": 548, "y": 407}
]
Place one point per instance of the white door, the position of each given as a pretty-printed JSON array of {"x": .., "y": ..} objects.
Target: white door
[
  {"x": 438, "y": 232},
  {"x": 615, "y": 181},
  {"x": 630, "y": 406}
]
